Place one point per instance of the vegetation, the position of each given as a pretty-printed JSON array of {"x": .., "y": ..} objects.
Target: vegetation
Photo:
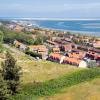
[
  {"x": 4, "y": 93},
  {"x": 89, "y": 90},
  {"x": 33, "y": 54},
  {"x": 9, "y": 36},
  {"x": 56, "y": 85},
  {"x": 11, "y": 73},
  {"x": 1, "y": 41}
]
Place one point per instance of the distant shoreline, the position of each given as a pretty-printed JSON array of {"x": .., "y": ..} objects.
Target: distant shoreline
[
  {"x": 77, "y": 32},
  {"x": 61, "y": 19}
]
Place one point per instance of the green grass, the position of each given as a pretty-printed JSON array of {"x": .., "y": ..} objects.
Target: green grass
[
  {"x": 43, "y": 70},
  {"x": 56, "y": 85},
  {"x": 89, "y": 90}
]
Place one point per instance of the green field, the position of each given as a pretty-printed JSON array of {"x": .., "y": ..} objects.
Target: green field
[
  {"x": 57, "y": 85},
  {"x": 84, "y": 91}
]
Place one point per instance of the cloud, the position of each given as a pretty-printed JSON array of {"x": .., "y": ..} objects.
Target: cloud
[{"x": 62, "y": 9}]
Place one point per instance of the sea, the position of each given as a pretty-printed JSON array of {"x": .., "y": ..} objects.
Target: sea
[
  {"x": 82, "y": 26},
  {"x": 89, "y": 27}
]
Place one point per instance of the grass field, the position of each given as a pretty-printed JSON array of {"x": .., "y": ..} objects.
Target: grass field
[
  {"x": 43, "y": 70},
  {"x": 59, "y": 85},
  {"x": 55, "y": 85},
  {"x": 84, "y": 91},
  {"x": 38, "y": 70}
]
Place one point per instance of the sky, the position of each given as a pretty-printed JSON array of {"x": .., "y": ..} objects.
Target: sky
[{"x": 50, "y": 8}]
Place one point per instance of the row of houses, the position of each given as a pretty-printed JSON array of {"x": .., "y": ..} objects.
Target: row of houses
[
  {"x": 39, "y": 49},
  {"x": 73, "y": 54},
  {"x": 63, "y": 59},
  {"x": 65, "y": 45}
]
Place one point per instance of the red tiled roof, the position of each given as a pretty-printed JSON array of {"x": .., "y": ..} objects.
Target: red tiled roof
[
  {"x": 56, "y": 55},
  {"x": 51, "y": 42},
  {"x": 79, "y": 55},
  {"x": 38, "y": 47},
  {"x": 72, "y": 60}
]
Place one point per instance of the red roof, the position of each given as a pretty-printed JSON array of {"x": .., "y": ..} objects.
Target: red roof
[{"x": 56, "y": 55}]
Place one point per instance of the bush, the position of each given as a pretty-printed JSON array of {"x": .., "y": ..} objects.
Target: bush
[
  {"x": 4, "y": 93},
  {"x": 33, "y": 54},
  {"x": 11, "y": 73}
]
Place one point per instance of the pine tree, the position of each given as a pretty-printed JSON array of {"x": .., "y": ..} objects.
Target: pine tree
[
  {"x": 11, "y": 73},
  {"x": 1, "y": 41},
  {"x": 1, "y": 36},
  {"x": 4, "y": 93}
]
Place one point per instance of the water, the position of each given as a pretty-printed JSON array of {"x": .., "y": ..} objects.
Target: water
[
  {"x": 83, "y": 26},
  {"x": 91, "y": 27}
]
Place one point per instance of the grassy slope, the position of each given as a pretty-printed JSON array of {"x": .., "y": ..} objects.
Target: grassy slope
[
  {"x": 55, "y": 85},
  {"x": 38, "y": 70},
  {"x": 43, "y": 70},
  {"x": 84, "y": 91}
]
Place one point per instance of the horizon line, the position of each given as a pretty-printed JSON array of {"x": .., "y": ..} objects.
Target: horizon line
[{"x": 36, "y": 18}]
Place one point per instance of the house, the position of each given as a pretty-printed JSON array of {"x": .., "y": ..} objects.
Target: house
[
  {"x": 51, "y": 43},
  {"x": 68, "y": 40},
  {"x": 83, "y": 48},
  {"x": 92, "y": 55},
  {"x": 58, "y": 41},
  {"x": 40, "y": 49},
  {"x": 71, "y": 61},
  {"x": 65, "y": 41},
  {"x": 18, "y": 28},
  {"x": 76, "y": 54},
  {"x": 0, "y": 23},
  {"x": 96, "y": 44},
  {"x": 88, "y": 63},
  {"x": 63, "y": 59},
  {"x": 55, "y": 57},
  {"x": 19, "y": 45},
  {"x": 67, "y": 47},
  {"x": 56, "y": 50},
  {"x": 83, "y": 64}
]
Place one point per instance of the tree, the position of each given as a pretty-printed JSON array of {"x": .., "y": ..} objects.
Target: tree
[
  {"x": 4, "y": 93},
  {"x": 1, "y": 36},
  {"x": 11, "y": 73},
  {"x": 1, "y": 41},
  {"x": 38, "y": 40}
]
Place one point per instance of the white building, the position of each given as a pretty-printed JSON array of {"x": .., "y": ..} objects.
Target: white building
[{"x": 83, "y": 64}]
